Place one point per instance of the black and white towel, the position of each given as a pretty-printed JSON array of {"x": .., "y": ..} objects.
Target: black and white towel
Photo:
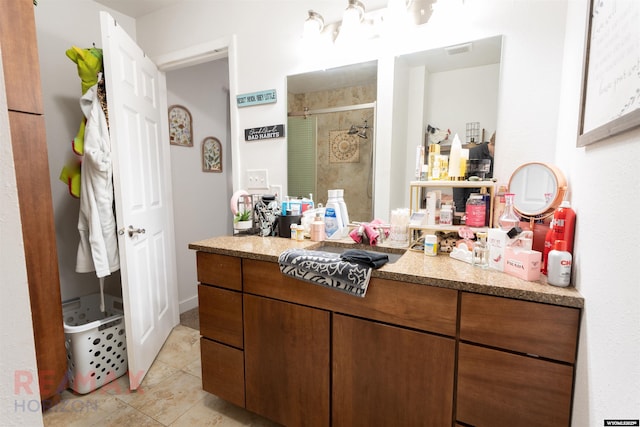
[{"x": 326, "y": 269}]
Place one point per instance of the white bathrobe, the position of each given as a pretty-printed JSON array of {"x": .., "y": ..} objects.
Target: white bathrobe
[{"x": 98, "y": 249}]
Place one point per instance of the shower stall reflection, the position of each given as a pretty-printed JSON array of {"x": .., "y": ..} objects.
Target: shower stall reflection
[{"x": 333, "y": 148}]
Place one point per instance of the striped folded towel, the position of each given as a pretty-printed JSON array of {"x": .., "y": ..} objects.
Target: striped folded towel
[{"x": 326, "y": 269}]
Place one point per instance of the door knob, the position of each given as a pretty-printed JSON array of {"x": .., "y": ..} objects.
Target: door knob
[{"x": 133, "y": 231}]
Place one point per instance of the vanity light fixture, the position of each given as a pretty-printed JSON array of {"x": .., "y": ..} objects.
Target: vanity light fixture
[
  {"x": 351, "y": 22},
  {"x": 313, "y": 25},
  {"x": 358, "y": 25}
]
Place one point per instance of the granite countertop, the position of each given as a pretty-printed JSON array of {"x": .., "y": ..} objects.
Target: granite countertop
[{"x": 413, "y": 267}]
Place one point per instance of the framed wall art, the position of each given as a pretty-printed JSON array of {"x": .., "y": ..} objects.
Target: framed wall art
[
  {"x": 610, "y": 100},
  {"x": 211, "y": 155},
  {"x": 180, "y": 126}
]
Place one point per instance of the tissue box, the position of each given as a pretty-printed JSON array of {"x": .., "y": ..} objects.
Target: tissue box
[
  {"x": 522, "y": 263},
  {"x": 497, "y": 241}
]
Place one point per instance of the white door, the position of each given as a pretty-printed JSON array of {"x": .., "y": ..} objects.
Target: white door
[{"x": 136, "y": 96}]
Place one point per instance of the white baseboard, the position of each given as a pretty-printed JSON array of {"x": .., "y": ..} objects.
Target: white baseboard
[{"x": 188, "y": 304}]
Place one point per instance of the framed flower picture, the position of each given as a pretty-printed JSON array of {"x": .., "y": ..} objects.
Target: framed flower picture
[
  {"x": 211, "y": 155},
  {"x": 180, "y": 126}
]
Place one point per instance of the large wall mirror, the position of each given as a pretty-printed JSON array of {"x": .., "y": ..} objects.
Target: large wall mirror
[
  {"x": 459, "y": 86},
  {"x": 331, "y": 134}
]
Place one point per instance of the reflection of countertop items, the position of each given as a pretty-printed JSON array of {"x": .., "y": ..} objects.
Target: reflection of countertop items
[{"x": 412, "y": 267}]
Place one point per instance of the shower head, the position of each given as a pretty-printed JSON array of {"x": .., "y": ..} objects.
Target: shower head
[{"x": 361, "y": 131}]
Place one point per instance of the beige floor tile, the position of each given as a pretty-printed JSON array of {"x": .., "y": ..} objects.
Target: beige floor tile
[
  {"x": 171, "y": 398},
  {"x": 158, "y": 372},
  {"x": 213, "y": 411},
  {"x": 82, "y": 410},
  {"x": 181, "y": 348},
  {"x": 194, "y": 368}
]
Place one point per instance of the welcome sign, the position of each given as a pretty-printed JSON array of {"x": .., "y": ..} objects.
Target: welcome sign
[{"x": 264, "y": 132}]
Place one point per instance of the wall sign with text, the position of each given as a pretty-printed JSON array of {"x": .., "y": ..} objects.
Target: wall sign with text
[
  {"x": 256, "y": 98},
  {"x": 264, "y": 132}
]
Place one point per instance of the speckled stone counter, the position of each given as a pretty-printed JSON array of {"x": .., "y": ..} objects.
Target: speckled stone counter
[{"x": 413, "y": 267}]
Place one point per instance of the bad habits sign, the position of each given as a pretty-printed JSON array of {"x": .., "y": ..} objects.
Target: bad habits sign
[{"x": 264, "y": 132}]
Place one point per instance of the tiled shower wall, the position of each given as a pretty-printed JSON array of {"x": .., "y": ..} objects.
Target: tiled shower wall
[{"x": 356, "y": 175}]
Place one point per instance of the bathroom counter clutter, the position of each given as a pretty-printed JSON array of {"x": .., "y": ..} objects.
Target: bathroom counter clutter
[{"x": 412, "y": 267}]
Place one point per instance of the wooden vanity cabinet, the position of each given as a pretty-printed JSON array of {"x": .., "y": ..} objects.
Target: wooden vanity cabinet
[
  {"x": 407, "y": 354},
  {"x": 515, "y": 362}
]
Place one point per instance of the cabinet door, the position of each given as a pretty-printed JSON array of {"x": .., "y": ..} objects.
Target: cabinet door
[
  {"x": 287, "y": 361},
  {"x": 497, "y": 388},
  {"x": 384, "y": 375}
]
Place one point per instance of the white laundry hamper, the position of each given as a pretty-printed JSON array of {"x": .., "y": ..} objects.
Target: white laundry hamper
[{"x": 95, "y": 342}]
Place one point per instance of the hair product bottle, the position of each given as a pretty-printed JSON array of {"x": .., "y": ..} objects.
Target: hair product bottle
[{"x": 559, "y": 268}]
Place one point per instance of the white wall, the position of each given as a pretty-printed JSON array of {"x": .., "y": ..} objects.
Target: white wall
[
  {"x": 457, "y": 97},
  {"x": 18, "y": 357},
  {"x": 600, "y": 176},
  {"x": 200, "y": 199}
]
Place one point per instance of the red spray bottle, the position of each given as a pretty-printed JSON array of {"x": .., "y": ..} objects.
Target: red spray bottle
[{"x": 562, "y": 228}]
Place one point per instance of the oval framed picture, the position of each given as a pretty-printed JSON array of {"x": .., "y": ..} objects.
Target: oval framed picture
[{"x": 211, "y": 155}]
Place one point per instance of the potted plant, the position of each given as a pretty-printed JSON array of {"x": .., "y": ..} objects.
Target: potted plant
[{"x": 242, "y": 220}]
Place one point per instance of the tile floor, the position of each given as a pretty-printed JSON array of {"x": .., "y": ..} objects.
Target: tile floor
[{"x": 170, "y": 395}]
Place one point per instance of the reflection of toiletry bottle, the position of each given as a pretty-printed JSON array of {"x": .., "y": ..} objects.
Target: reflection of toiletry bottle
[
  {"x": 453, "y": 171},
  {"x": 430, "y": 245},
  {"x": 486, "y": 197},
  {"x": 464, "y": 158},
  {"x": 344, "y": 214},
  {"x": 331, "y": 221},
  {"x": 446, "y": 215},
  {"x": 508, "y": 218},
  {"x": 444, "y": 167},
  {"x": 559, "y": 269},
  {"x": 481, "y": 251},
  {"x": 498, "y": 205},
  {"x": 475, "y": 211},
  {"x": 434, "y": 151},
  {"x": 317, "y": 229}
]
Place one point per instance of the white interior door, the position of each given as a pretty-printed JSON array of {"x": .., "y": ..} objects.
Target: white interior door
[{"x": 136, "y": 95}]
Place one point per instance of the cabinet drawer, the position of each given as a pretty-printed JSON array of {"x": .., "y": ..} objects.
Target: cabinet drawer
[
  {"x": 220, "y": 315},
  {"x": 416, "y": 306},
  {"x": 497, "y": 388},
  {"x": 545, "y": 330},
  {"x": 219, "y": 270},
  {"x": 222, "y": 371}
]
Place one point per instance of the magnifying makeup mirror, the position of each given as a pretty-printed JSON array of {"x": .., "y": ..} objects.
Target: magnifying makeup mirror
[{"x": 539, "y": 189}]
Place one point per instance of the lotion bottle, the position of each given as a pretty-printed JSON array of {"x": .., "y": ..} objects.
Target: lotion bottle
[{"x": 559, "y": 268}]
